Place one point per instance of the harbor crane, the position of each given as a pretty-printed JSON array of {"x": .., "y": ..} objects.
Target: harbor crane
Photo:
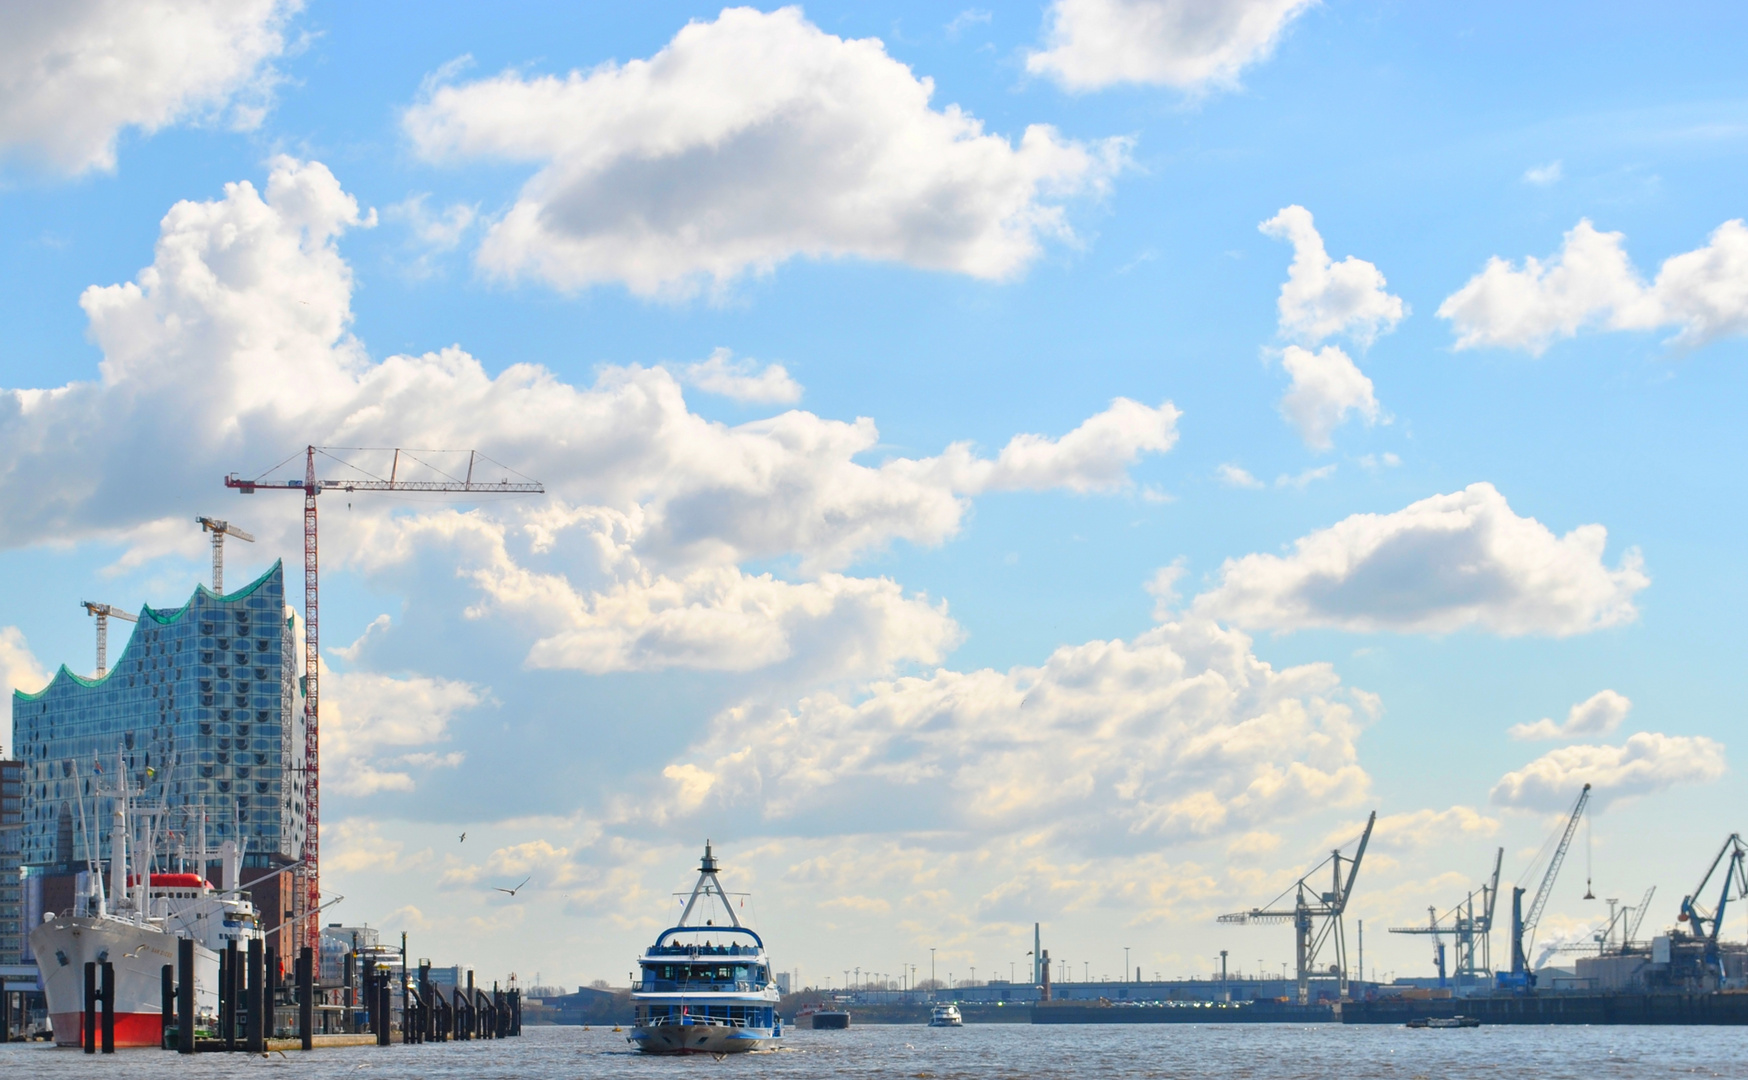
[
  {"x": 354, "y": 478},
  {"x": 1309, "y": 905},
  {"x": 1472, "y": 930},
  {"x": 1706, "y": 923},
  {"x": 1626, "y": 919},
  {"x": 105, "y": 612},
  {"x": 1524, "y": 926},
  {"x": 220, "y": 530}
]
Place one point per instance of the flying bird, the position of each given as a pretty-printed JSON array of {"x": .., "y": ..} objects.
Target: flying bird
[
  {"x": 463, "y": 839},
  {"x": 517, "y": 889}
]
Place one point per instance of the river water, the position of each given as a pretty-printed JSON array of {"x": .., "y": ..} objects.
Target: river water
[{"x": 1225, "y": 1051}]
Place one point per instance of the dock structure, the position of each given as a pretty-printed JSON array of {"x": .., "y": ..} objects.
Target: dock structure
[{"x": 370, "y": 1004}]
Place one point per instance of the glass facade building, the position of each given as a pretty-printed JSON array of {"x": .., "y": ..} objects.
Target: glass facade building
[{"x": 202, "y": 708}]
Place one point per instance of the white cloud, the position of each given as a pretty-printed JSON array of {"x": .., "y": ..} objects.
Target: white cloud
[
  {"x": 969, "y": 17},
  {"x": 1591, "y": 284},
  {"x": 75, "y": 73},
  {"x": 1327, "y": 387},
  {"x": 1306, "y": 478},
  {"x": 1187, "y": 44},
  {"x": 1598, "y": 714},
  {"x": 19, "y": 670},
  {"x": 236, "y": 334},
  {"x": 1234, "y": 476},
  {"x": 1436, "y": 566},
  {"x": 1423, "y": 830},
  {"x": 743, "y": 143},
  {"x": 431, "y": 233},
  {"x": 1321, "y": 297},
  {"x": 1646, "y": 764},
  {"x": 367, "y": 717},
  {"x": 1180, "y": 734},
  {"x": 741, "y": 380},
  {"x": 1543, "y": 175}
]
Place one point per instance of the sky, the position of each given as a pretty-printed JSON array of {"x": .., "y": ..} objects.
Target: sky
[{"x": 1065, "y": 462}]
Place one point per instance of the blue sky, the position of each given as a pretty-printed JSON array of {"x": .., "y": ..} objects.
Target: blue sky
[{"x": 919, "y": 674}]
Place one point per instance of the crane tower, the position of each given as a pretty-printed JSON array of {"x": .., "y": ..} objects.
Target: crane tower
[
  {"x": 1310, "y": 904},
  {"x": 308, "y": 897}
]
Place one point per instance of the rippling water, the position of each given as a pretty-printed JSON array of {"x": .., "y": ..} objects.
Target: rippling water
[{"x": 1236, "y": 1051}]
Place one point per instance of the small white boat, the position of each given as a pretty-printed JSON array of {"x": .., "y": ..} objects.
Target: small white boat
[
  {"x": 946, "y": 1016},
  {"x": 702, "y": 991}
]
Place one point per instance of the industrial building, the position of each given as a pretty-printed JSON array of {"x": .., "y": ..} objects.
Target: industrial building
[{"x": 201, "y": 713}]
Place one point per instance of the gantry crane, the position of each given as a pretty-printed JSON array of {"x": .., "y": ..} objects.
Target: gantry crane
[
  {"x": 308, "y": 897},
  {"x": 1311, "y": 904},
  {"x": 104, "y": 613},
  {"x": 1522, "y": 925},
  {"x": 220, "y": 530},
  {"x": 1473, "y": 931},
  {"x": 1706, "y": 924}
]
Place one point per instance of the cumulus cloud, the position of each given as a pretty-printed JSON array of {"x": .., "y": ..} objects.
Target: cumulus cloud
[
  {"x": 1592, "y": 284},
  {"x": 1179, "y": 734},
  {"x": 743, "y": 143},
  {"x": 1438, "y": 565},
  {"x": 75, "y": 73},
  {"x": 237, "y": 336},
  {"x": 1598, "y": 714},
  {"x": 1187, "y": 44},
  {"x": 1421, "y": 830},
  {"x": 19, "y": 670},
  {"x": 1327, "y": 387},
  {"x": 371, "y": 722},
  {"x": 1645, "y": 764},
  {"x": 1323, "y": 298},
  {"x": 741, "y": 380}
]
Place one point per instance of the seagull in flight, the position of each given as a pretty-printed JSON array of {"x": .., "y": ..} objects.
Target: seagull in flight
[
  {"x": 517, "y": 889},
  {"x": 463, "y": 839}
]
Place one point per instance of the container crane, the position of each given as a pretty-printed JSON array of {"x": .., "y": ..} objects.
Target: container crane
[
  {"x": 1311, "y": 904},
  {"x": 308, "y": 898},
  {"x": 1472, "y": 929},
  {"x": 1705, "y": 924},
  {"x": 220, "y": 530},
  {"x": 1522, "y": 925}
]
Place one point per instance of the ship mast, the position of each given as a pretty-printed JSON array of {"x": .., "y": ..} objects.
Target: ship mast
[{"x": 708, "y": 885}]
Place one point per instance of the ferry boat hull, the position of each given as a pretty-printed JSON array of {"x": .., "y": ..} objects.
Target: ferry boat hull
[
  {"x": 139, "y": 953},
  {"x": 701, "y": 1037}
]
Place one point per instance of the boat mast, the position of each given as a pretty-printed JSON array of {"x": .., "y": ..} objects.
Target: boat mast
[{"x": 708, "y": 885}]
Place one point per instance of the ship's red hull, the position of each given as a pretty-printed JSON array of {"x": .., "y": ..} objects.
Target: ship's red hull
[{"x": 131, "y": 1029}]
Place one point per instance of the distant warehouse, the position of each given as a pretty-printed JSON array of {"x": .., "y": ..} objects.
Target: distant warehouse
[{"x": 202, "y": 710}]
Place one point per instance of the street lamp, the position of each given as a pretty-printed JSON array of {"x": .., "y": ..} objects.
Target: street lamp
[
  {"x": 1125, "y": 963},
  {"x": 934, "y": 984}
]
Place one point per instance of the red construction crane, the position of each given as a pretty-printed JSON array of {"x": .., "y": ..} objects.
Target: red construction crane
[{"x": 308, "y": 897}]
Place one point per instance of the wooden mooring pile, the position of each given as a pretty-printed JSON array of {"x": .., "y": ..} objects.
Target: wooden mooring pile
[{"x": 257, "y": 1013}]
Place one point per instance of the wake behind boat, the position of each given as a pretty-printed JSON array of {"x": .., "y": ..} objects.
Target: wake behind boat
[{"x": 705, "y": 989}]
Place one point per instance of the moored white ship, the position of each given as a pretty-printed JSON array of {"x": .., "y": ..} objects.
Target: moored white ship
[
  {"x": 705, "y": 989},
  {"x": 135, "y": 925}
]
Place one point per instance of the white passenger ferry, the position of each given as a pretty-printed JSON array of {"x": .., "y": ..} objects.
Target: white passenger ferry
[
  {"x": 946, "y": 1015},
  {"x": 706, "y": 989}
]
